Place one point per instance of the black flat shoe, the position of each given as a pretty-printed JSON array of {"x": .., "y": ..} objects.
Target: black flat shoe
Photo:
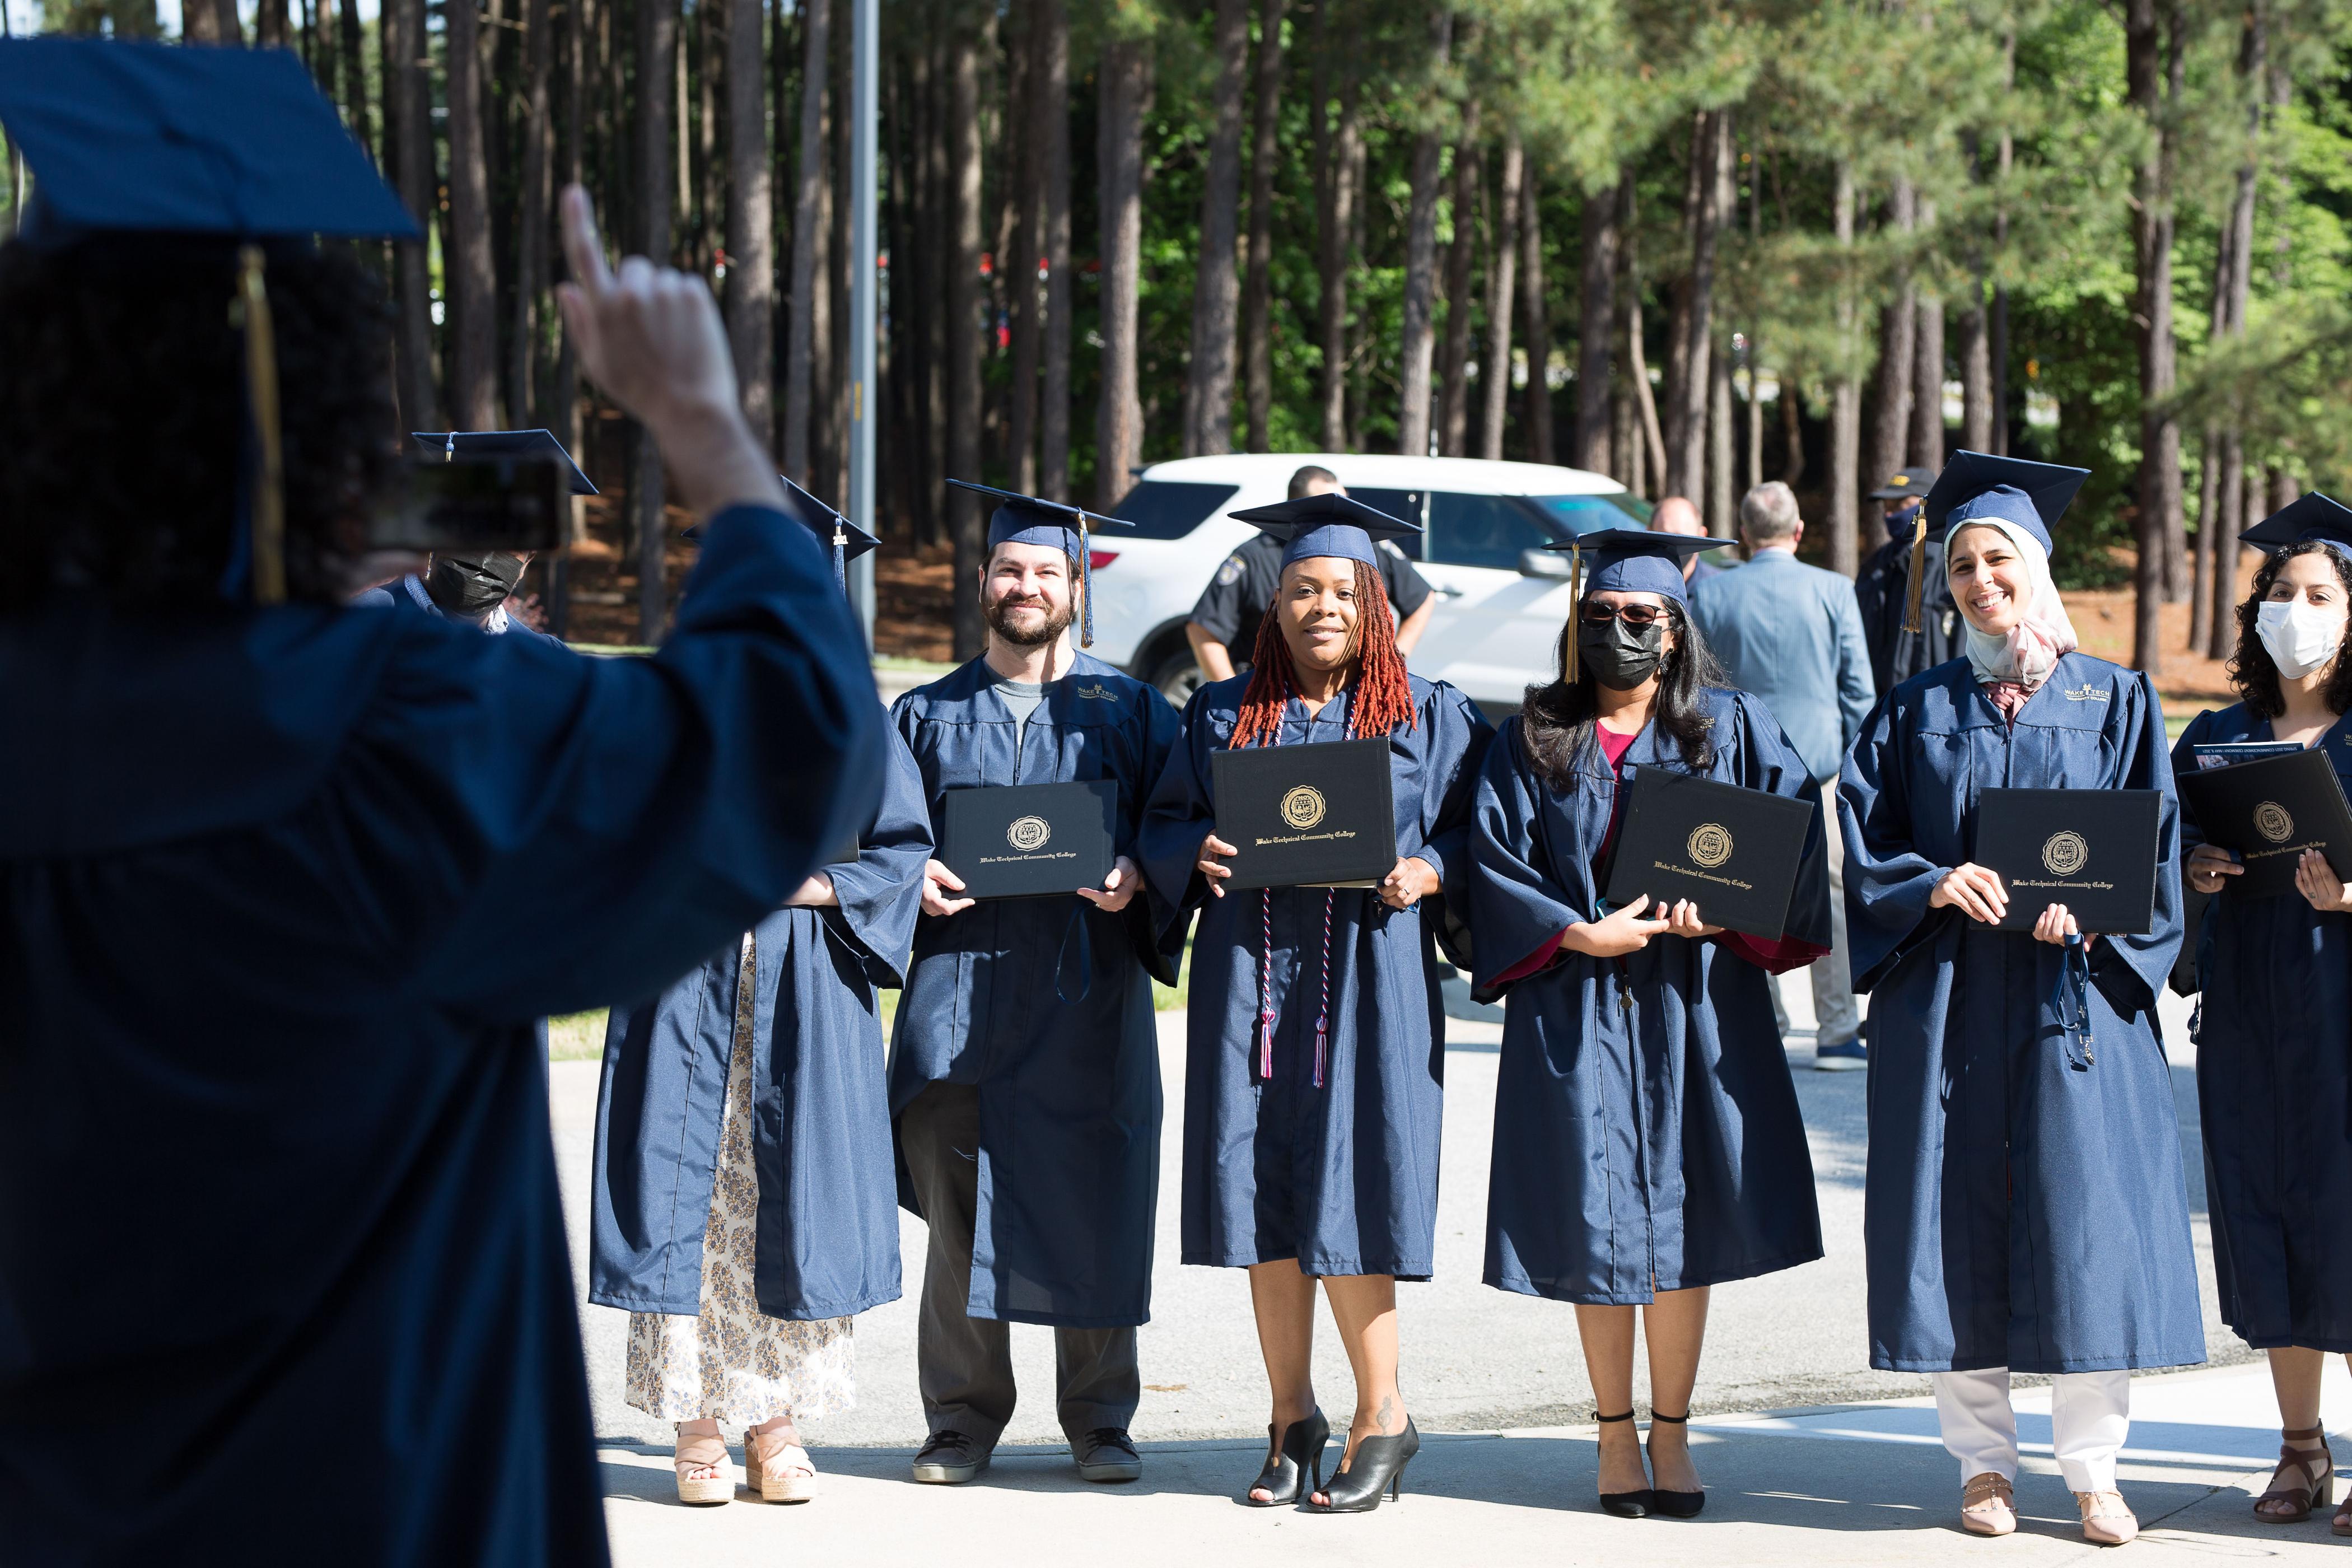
[
  {"x": 1625, "y": 1505},
  {"x": 1298, "y": 1452},
  {"x": 1677, "y": 1505},
  {"x": 1377, "y": 1466}
]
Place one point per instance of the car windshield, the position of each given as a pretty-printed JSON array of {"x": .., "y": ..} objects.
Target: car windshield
[
  {"x": 1168, "y": 508},
  {"x": 1590, "y": 513}
]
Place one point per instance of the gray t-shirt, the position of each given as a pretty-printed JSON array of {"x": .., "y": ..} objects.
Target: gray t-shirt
[{"x": 1022, "y": 697}]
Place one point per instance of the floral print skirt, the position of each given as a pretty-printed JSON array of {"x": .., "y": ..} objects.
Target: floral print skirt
[{"x": 730, "y": 1362}]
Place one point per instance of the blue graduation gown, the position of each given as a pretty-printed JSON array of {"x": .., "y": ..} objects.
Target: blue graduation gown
[
  {"x": 827, "y": 1233},
  {"x": 1646, "y": 1132},
  {"x": 1045, "y": 1004},
  {"x": 281, "y": 892},
  {"x": 1343, "y": 1178},
  {"x": 2274, "y": 1088},
  {"x": 2019, "y": 1211}
]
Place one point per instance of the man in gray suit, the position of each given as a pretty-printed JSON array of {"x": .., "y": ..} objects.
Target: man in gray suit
[{"x": 1791, "y": 634}]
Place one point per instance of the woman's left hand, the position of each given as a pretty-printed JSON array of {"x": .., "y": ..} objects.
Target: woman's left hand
[
  {"x": 1126, "y": 880},
  {"x": 816, "y": 893},
  {"x": 2317, "y": 880},
  {"x": 1412, "y": 881},
  {"x": 2055, "y": 926},
  {"x": 1682, "y": 919}
]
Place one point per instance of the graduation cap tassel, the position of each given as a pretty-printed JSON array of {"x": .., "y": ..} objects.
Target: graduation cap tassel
[
  {"x": 840, "y": 557},
  {"x": 1575, "y": 605},
  {"x": 266, "y": 522},
  {"x": 1918, "y": 571}
]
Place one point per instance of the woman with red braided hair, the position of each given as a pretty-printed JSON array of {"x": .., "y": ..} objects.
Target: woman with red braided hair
[{"x": 1314, "y": 1093}]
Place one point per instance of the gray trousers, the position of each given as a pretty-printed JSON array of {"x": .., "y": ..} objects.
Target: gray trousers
[
  {"x": 964, "y": 1363},
  {"x": 1835, "y": 1012}
]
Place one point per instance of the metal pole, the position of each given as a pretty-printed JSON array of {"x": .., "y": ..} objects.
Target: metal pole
[{"x": 864, "y": 280}]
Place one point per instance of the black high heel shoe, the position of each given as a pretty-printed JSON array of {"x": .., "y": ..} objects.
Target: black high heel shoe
[
  {"x": 1298, "y": 1448},
  {"x": 1677, "y": 1505},
  {"x": 1625, "y": 1505},
  {"x": 1377, "y": 1466}
]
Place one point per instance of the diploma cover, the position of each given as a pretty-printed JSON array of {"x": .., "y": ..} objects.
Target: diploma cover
[
  {"x": 1733, "y": 852},
  {"x": 1306, "y": 817},
  {"x": 2092, "y": 850},
  {"x": 2270, "y": 811},
  {"x": 1029, "y": 841}
]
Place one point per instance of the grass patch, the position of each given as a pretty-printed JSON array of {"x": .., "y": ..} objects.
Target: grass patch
[{"x": 576, "y": 1036}]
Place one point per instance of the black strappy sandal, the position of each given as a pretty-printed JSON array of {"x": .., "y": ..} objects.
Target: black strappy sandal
[
  {"x": 1625, "y": 1505},
  {"x": 1677, "y": 1505}
]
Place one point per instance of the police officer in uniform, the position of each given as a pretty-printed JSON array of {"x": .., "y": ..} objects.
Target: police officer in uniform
[
  {"x": 1222, "y": 627},
  {"x": 1883, "y": 586}
]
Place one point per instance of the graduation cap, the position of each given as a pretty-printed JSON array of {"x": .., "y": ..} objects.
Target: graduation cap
[
  {"x": 1979, "y": 486},
  {"x": 2312, "y": 517},
  {"x": 849, "y": 540},
  {"x": 1328, "y": 524},
  {"x": 1030, "y": 519},
  {"x": 1629, "y": 560},
  {"x": 1905, "y": 485},
  {"x": 130, "y": 142},
  {"x": 455, "y": 444}
]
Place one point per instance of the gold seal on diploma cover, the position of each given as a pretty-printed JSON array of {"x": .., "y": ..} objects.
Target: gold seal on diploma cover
[
  {"x": 2271, "y": 821},
  {"x": 1028, "y": 833},
  {"x": 1303, "y": 807},
  {"x": 2065, "y": 854},
  {"x": 1710, "y": 844}
]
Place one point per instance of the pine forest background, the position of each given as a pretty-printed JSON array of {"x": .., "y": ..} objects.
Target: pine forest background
[{"x": 1688, "y": 245}]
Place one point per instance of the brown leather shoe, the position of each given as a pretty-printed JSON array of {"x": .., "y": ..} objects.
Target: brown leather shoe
[
  {"x": 2305, "y": 1479},
  {"x": 1988, "y": 1504},
  {"x": 2107, "y": 1522}
]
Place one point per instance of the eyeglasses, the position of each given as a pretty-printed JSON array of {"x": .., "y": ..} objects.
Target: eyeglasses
[{"x": 1637, "y": 615}]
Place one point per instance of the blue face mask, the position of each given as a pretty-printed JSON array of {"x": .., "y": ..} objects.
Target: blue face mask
[{"x": 1903, "y": 520}]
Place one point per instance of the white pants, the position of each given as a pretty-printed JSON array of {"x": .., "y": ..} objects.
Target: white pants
[
  {"x": 1836, "y": 1016},
  {"x": 2089, "y": 1414}
]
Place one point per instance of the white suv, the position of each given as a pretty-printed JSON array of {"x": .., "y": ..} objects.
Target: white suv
[{"x": 1501, "y": 599}]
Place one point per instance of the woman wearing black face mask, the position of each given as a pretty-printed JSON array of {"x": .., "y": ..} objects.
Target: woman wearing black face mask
[{"x": 1641, "y": 1071}]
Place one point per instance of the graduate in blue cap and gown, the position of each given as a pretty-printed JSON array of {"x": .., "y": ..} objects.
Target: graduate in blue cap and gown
[
  {"x": 2025, "y": 1209},
  {"x": 1647, "y": 1139},
  {"x": 1314, "y": 1085},
  {"x": 1025, "y": 1072},
  {"x": 474, "y": 585},
  {"x": 283, "y": 1271},
  {"x": 2275, "y": 1035},
  {"x": 745, "y": 1207}
]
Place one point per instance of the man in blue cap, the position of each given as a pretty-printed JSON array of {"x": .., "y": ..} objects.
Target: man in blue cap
[
  {"x": 1883, "y": 589},
  {"x": 286, "y": 883},
  {"x": 1025, "y": 1073}
]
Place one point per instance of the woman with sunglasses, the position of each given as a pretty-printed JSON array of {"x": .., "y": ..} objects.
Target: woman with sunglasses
[
  {"x": 1648, "y": 1143},
  {"x": 2025, "y": 1210},
  {"x": 1315, "y": 1087},
  {"x": 2273, "y": 1075}
]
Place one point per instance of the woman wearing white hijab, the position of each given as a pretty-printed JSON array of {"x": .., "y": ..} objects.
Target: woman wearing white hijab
[{"x": 2025, "y": 1207}]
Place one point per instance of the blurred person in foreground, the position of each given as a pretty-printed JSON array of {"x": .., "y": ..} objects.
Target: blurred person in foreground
[
  {"x": 1791, "y": 634},
  {"x": 286, "y": 885},
  {"x": 1675, "y": 514},
  {"x": 1224, "y": 627},
  {"x": 1883, "y": 589}
]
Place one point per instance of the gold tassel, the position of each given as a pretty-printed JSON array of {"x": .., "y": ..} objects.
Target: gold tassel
[
  {"x": 1918, "y": 571},
  {"x": 1575, "y": 604},
  {"x": 267, "y": 523}
]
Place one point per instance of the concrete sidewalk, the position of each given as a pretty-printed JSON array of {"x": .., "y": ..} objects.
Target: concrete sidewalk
[{"x": 1857, "y": 1483}]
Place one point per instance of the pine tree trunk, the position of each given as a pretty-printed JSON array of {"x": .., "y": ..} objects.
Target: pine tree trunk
[
  {"x": 1976, "y": 373},
  {"x": 1335, "y": 226},
  {"x": 1217, "y": 286},
  {"x": 1535, "y": 411},
  {"x": 808, "y": 226},
  {"x": 534, "y": 226},
  {"x": 1890, "y": 426},
  {"x": 1689, "y": 375},
  {"x": 1126, "y": 77},
  {"x": 965, "y": 522},
  {"x": 1502, "y": 279},
  {"x": 1845, "y": 403},
  {"x": 1050, "y": 128},
  {"x": 1257, "y": 286},
  {"x": 470, "y": 266},
  {"x": 2159, "y": 467},
  {"x": 1024, "y": 191},
  {"x": 656, "y": 60},
  {"x": 409, "y": 137},
  {"x": 2225, "y": 448},
  {"x": 1927, "y": 372},
  {"x": 1417, "y": 340},
  {"x": 210, "y": 22},
  {"x": 354, "y": 66},
  {"x": 271, "y": 30},
  {"x": 1453, "y": 356},
  {"x": 1719, "y": 469},
  {"x": 750, "y": 219},
  {"x": 1597, "y": 306}
]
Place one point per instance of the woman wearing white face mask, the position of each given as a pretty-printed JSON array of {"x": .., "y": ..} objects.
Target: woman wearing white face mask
[{"x": 2273, "y": 1071}]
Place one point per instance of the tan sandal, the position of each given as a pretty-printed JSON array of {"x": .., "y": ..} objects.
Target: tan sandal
[
  {"x": 2107, "y": 1520},
  {"x": 777, "y": 1470},
  {"x": 1989, "y": 1504},
  {"x": 2315, "y": 1464},
  {"x": 700, "y": 1451}
]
